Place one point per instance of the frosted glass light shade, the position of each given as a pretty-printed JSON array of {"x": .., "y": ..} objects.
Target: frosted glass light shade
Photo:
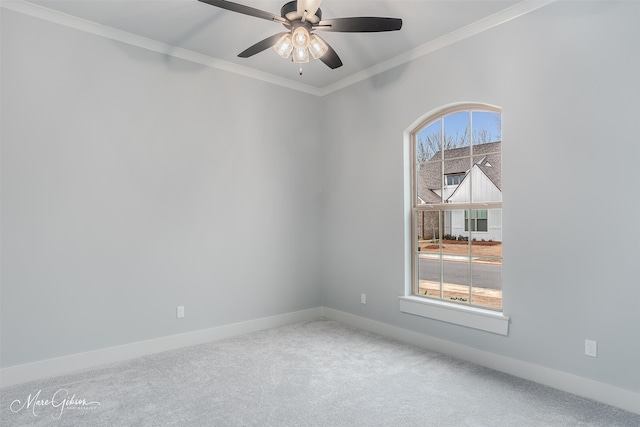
[
  {"x": 301, "y": 37},
  {"x": 284, "y": 46},
  {"x": 317, "y": 47},
  {"x": 300, "y": 55}
]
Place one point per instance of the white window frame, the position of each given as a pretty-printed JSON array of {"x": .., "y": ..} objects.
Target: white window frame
[{"x": 475, "y": 317}]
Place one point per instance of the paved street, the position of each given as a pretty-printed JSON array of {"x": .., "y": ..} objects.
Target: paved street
[{"x": 485, "y": 275}]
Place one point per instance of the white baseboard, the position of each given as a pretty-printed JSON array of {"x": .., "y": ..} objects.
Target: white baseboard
[
  {"x": 591, "y": 389},
  {"x": 76, "y": 362},
  {"x": 605, "y": 393}
]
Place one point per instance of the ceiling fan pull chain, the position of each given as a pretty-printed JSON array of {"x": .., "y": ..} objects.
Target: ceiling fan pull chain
[{"x": 301, "y": 70}]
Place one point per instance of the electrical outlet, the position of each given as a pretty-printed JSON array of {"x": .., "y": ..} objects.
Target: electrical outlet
[
  {"x": 180, "y": 311},
  {"x": 591, "y": 348},
  {"x": 363, "y": 298}
]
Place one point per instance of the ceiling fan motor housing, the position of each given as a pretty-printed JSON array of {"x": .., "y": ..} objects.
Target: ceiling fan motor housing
[{"x": 292, "y": 8}]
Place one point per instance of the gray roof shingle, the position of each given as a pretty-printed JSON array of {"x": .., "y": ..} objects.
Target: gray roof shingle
[{"x": 486, "y": 156}]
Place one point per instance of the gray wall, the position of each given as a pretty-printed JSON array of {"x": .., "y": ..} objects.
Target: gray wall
[
  {"x": 566, "y": 77},
  {"x": 134, "y": 182}
]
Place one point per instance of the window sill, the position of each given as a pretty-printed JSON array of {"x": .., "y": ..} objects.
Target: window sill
[{"x": 471, "y": 317}]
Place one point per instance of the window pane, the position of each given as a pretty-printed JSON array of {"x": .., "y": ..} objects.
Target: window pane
[
  {"x": 429, "y": 276},
  {"x": 456, "y": 135},
  {"x": 487, "y": 179},
  {"x": 428, "y": 142},
  {"x": 428, "y": 258},
  {"x": 487, "y": 173},
  {"x": 429, "y": 183},
  {"x": 481, "y": 247},
  {"x": 447, "y": 233},
  {"x": 456, "y": 278},
  {"x": 489, "y": 229},
  {"x": 457, "y": 193},
  {"x": 486, "y": 278},
  {"x": 455, "y": 246},
  {"x": 454, "y": 224},
  {"x": 428, "y": 231},
  {"x": 487, "y": 127}
]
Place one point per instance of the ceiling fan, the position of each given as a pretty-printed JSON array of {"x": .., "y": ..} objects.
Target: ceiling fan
[{"x": 301, "y": 18}]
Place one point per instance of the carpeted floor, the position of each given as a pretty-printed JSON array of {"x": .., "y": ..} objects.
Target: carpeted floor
[{"x": 319, "y": 373}]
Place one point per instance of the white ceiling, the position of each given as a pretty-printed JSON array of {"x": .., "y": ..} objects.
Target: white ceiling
[{"x": 192, "y": 26}]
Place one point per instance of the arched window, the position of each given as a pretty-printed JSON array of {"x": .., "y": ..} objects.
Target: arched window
[{"x": 456, "y": 206}]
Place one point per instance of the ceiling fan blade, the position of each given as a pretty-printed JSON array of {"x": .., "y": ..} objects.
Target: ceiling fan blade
[
  {"x": 363, "y": 24},
  {"x": 246, "y": 10},
  {"x": 331, "y": 58},
  {"x": 261, "y": 45}
]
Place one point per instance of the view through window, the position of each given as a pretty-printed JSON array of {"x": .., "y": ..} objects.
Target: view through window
[{"x": 457, "y": 207}]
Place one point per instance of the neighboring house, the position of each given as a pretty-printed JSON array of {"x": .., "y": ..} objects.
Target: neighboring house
[{"x": 463, "y": 181}]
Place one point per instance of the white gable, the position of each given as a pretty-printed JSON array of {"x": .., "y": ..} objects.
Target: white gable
[{"x": 484, "y": 190}]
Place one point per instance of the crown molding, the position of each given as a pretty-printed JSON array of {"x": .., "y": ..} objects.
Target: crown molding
[
  {"x": 492, "y": 21},
  {"x": 111, "y": 33}
]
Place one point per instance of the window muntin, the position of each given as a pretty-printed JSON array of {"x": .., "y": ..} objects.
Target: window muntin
[{"x": 457, "y": 207}]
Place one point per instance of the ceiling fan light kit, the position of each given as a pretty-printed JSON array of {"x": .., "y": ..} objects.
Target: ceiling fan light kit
[
  {"x": 301, "y": 18},
  {"x": 301, "y": 55},
  {"x": 284, "y": 45},
  {"x": 317, "y": 47},
  {"x": 302, "y": 43},
  {"x": 300, "y": 37}
]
